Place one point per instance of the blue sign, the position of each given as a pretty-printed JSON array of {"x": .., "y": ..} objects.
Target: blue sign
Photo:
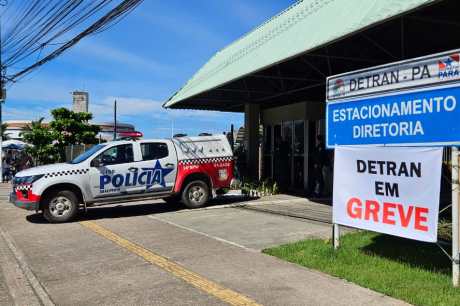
[{"x": 430, "y": 117}]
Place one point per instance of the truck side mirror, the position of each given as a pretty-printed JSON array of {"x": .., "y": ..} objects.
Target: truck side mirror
[{"x": 96, "y": 163}]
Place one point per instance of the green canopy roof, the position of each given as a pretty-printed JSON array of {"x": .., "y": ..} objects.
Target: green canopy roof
[{"x": 302, "y": 27}]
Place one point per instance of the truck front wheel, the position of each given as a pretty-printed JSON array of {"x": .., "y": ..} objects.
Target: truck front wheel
[
  {"x": 195, "y": 194},
  {"x": 60, "y": 206}
]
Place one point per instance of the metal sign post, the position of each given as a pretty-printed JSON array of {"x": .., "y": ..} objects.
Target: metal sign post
[
  {"x": 455, "y": 218},
  {"x": 1, "y": 139},
  {"x": 336, "y": 236}
]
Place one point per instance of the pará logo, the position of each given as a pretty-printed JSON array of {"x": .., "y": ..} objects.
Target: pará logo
[
  {"x": 449, "y": 67},
  {"x": 339, "y": 88}
]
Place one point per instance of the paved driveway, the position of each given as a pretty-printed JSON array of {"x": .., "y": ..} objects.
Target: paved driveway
[
  {"x": 247, "y": 228},
  {"x": 150, "y": 254}
]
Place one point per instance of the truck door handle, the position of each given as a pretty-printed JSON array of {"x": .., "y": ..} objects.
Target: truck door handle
[
  {"x": 169, "y": 165},
  {"x": 133, "y": 169}
]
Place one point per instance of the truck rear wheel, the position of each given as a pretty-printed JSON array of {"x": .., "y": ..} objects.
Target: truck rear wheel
[
  {"x": 60, "y": 206},
  {"x": 195, "y": 194}
]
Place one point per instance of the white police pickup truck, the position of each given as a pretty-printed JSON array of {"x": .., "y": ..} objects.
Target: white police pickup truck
[{"x": 188, "y": 169}]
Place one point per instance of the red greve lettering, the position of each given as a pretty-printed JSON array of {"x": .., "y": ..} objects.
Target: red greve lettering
[
  {"x": 405, "y": 218},
  {"x": 421, "y": 216},
  {"x": 388, "y": 213},
  {"x": 354, "y": 208},
  {"x": 372, "y": 208}
]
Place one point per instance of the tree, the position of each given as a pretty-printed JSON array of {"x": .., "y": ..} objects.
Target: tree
[
  {"x": 41, "y": 139},
  {"x": 3, "y": 128},
  {"x": 72, "y": 128},
  {"x": 67, "y": 128}
]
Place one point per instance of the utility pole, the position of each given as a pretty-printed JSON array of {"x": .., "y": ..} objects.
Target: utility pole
[
  {"x": 2, "y": 96},
  {"x": 115, "y": 120}
]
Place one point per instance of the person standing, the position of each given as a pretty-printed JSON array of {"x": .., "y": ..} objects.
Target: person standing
[
  {"x": 25, "y": 162},
  {"x": 6, "y": 168},
  {"x": 319, "y": 162}
]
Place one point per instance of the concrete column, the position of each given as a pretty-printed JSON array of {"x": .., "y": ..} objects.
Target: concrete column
[{"x": 251, "y": 129}]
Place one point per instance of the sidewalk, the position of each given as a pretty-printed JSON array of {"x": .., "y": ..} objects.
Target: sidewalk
[{"x": 78, "y": 267}]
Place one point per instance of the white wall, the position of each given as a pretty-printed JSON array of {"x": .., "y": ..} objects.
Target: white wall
[{"x": 284, "y": 113}]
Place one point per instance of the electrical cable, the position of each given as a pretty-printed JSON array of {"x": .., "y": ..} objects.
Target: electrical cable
[{"x": 36, "y": 26}]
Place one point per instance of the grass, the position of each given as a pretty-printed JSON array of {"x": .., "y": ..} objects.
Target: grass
[{"x": 413, "y": 271}]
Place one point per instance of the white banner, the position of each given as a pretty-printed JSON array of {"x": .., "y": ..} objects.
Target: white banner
[
  {"x": 436, "y": 69},
  {"x": 388, "y": 190}
]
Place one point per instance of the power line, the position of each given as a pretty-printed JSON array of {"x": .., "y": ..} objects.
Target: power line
[
  {"x": 40, "y": 22},
  {"x": 42, "y": 29}
]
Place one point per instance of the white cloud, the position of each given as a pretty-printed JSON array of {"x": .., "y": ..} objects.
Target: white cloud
[
  {"x": 11, "y": 112},
  {"x": 147, "y": 115},
  {"x": 146, "y": 108},
  {"x": 125, "y": 106},
  {"x": 43, "y": 88},
  {"x": 104, "y": 52},
  {"x": 48, "y": 88}
]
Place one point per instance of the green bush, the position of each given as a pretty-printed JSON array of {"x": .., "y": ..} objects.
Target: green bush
[{"x": 259, "y": 188}]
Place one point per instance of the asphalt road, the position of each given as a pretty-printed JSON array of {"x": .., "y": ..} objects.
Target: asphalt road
[{"x": 151, "y": 254}]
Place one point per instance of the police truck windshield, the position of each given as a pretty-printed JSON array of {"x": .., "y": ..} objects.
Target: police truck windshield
[{"x": 84, "y": 156}]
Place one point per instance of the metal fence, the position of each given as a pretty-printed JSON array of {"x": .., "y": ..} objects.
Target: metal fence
[{"x": 74, "y": 150}]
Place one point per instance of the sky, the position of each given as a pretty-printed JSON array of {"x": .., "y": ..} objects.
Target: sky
[{"x": 141, "y": 62}]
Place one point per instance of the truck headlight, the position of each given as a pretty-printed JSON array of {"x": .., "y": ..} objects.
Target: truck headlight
[{"x": 27, "y": 179}]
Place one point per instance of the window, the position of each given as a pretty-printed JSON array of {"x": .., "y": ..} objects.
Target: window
[
  {"x": 153, "y": 150},
  {"x": 117, "y": 155},
  {"x": 286, "y": 138},
  {"x": 87, "y": 154}
]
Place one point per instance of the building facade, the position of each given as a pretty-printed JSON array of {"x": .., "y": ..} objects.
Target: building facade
[{"x": 276, "y": 75}]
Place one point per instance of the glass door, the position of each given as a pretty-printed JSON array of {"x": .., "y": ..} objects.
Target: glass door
[
  {"x": 268, "y": 153},
  {"x": 298, "y": 148},
  {"x": 284, "y": 154},
  {"x": 277, "y": 140},
  {"x": 287, "y": 155}
]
